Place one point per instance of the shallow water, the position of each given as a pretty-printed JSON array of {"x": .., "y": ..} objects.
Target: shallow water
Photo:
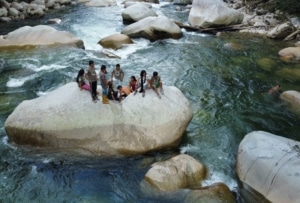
[{"x": 226, "y": 88}]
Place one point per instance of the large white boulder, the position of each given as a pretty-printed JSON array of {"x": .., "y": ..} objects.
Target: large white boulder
[
  {"x": 40, "y": 35},
  {"x": 269, "y": 164},
  {"x": 153, "y": 28},
  {"x": 67, "y": 118},
  {"x": 137, "y": 12},
  {"x": 208, "y": 13}
]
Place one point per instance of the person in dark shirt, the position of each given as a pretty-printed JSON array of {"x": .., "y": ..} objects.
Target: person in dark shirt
[{"x": 112, "y": 94}]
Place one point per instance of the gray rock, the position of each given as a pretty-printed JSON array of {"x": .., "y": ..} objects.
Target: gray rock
[
  {"x": 13, "y": 12},
  {"x": 101, "y": 3},
  {"x": 182, "y": 171},
  {"x": 5, "y": 4},
  {"x": 17, "y": 6},
  {"x": 3, "y": 12},
  {"x": 207, "y": 13},
  {"x": 38, "y": 36},
  {"x": 269, "y": 164},
  {"x": 137, "y": 12},
  {"x": 182, "y": 2},
  {"x": 153, "y": 28},
  {"x": 130, "y": 3},
  {"x": 281, "y": 31},
  {"x": 5, "y": 19}
]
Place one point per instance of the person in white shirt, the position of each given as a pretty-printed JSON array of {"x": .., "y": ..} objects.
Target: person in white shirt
[{"x": 117, "y": 74}]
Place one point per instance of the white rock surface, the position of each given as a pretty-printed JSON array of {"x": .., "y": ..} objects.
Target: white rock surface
[
  {"x": 67, "y": 118},
  {"x": 270, "y": 165},
  {"x": 40, "y": 35}
]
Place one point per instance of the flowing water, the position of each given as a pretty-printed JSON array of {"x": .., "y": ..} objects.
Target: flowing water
[{"x": 226, "y": 89}]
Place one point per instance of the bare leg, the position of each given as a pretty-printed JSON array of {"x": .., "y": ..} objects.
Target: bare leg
[
  {"x": 155, "y": 90},
  {"x": 161, "y": 88}
]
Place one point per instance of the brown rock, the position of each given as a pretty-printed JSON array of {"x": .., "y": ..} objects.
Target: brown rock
[{"x": 115, "y": 41}]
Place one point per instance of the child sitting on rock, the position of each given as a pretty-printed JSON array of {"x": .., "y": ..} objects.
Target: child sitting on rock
[
  {"x": 123, "y": 92},
  {"x": 156, "y": 83},
  {"x": 112, "y": 94}
]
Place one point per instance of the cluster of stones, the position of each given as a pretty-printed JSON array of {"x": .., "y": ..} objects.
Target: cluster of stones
[{"x": 23, "y": 10}]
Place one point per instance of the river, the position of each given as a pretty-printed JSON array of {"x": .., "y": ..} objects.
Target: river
[{"x": 226, "y": 89}]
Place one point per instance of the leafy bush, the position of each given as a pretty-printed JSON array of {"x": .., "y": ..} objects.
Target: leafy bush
[{"x": 289, "y": 6}]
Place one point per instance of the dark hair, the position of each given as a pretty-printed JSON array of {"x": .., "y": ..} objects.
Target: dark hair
[
  {"x": 118, "y": 65},
  {"x": 119, "y": 87},
  {"x": 142, "y": 73},
  {"x": 143, "y": 79},
  {"x": 110, "y": 84},
  {"x": 91, "y": 62},
  {"x": 80, "y": 73},
  {"x": 155, "y": 73},
  {"x": 133, "y": 77},
  {"x": 103, "y": 67}
]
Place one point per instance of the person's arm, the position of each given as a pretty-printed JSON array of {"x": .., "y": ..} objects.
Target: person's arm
[
  {"x": 120, "y": 95},
  {"x": 104, "y": 81},
  {"x": 112, "y": 75},
  {"x": 122, "y": 76},
  {"x": 151, "y": 82},
  {"x": 86, "y": 76},
  {"x": 112, "y": 95}
]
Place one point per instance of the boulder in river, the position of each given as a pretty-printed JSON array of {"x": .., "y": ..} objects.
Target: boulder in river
[
  {"x": 40, "y": 35},
  {"x": 269, "y": 164},
  {"x": 66, "y": 118}
]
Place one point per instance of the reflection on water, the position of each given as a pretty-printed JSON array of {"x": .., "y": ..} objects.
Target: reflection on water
[{"x": 225, "y": 85}]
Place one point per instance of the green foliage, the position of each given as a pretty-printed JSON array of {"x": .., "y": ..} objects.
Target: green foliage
[{"x": 289, "y": 6}]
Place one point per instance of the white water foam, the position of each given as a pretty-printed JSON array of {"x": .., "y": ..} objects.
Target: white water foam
[
  {"x": 18, "y": 82},
  {"x": 217, "y": 177},
  {"x": 48, "y": 67},
  {"x": 5, "y": 142},
  {"x": 40, "y": 93},
  {"x": 91, "y": 37},
  {"x": 139, "y": 44},
  {"x": 47, "y": 160},
  {"x": 33, "y": 170},
  {"x": 2, "y": 61}
]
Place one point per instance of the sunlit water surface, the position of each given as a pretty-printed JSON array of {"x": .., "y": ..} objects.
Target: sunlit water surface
[{"x": 226, "y": 89}]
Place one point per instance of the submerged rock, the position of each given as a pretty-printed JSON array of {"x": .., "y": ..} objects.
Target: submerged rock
[{"x": 68, "y": 119}]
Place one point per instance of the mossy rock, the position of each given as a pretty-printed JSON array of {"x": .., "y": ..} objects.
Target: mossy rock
[
  {"x": 266, "y": 64},
  {"x": 289, "y": 73}
]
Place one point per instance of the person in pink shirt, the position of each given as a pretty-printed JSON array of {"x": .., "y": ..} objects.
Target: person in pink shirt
[{"x": 81, "y": 81}]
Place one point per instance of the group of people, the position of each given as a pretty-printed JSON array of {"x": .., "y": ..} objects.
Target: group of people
[{"x": 135, "y": 85}]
